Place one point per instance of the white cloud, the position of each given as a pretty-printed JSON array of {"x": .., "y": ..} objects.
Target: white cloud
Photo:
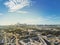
[
  {"x": 38, "y": 20},
  {"x": 1, "y": 14},
  {"x": 22, "y": 12},
  {"x": 53, "y": 17},
  {"x": 14, "y": 5}
]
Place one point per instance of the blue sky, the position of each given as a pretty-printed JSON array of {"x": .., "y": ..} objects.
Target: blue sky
[{"x": 29, "y": 11}]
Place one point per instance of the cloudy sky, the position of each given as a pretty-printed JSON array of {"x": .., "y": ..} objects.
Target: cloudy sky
[{"x": 29, "y": 11}]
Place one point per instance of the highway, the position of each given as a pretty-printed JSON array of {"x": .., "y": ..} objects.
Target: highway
[{"x": 42, "y": 40}]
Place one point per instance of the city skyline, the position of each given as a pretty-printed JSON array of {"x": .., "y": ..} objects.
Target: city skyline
[{"x": 29, "y": 12}]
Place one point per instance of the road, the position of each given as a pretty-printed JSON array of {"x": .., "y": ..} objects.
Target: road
[{"x": 41, "y": 39}]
